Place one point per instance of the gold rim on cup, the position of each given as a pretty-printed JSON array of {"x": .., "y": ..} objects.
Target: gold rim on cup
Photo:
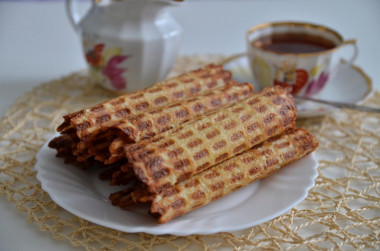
[{"x": 307, "y": 26}]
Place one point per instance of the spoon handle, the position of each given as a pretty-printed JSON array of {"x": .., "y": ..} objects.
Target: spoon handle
[{"x": 342, "y": 105}]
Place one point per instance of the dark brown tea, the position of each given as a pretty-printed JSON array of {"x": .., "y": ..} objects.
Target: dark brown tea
[{"x": 293, "y": 43}]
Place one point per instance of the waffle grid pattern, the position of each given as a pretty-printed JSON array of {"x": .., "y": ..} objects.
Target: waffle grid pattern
[
  {"x": 233, "y": 174},
  {"x": 212, "y": 139},
  {"x": 147, "y": 125}
]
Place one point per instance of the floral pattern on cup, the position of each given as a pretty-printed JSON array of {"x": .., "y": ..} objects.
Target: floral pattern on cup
[
  {"x": 317, "y": 84},
  {"x": 106, "y": 64},
  {"x": 262, "y": 71},
  {"x": 287, "y": 75}
]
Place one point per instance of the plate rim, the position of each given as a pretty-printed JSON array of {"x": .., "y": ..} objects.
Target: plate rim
[{"x": 157, "y": 231}]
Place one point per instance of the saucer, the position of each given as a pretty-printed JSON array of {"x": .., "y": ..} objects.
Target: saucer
[{"x": 350, "y": 85}]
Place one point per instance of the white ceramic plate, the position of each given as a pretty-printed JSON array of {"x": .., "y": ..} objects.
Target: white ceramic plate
[
  {"x": 83, "y": 194},
  {"x": 350, "y": 85}
]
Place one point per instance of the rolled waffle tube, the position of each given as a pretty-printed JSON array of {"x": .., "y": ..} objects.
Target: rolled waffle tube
[
  {"x": 232, "y": 174},
  {"x": 91, "y": 120},
  {"x": 147, "y": 125},
  {"x": 177, "y": 155}
]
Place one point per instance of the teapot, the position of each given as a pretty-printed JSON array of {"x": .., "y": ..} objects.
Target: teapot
[{"x": 128, "y": 44}]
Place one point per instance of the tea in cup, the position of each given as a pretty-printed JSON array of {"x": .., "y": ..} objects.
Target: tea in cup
[{"x": 300, "y": 56}]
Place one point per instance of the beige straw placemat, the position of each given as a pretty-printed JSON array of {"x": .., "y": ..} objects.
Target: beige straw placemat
[{"x": 342, "y": 210}]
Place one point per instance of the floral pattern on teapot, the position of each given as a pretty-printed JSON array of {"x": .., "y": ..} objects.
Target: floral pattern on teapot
[{"x": 105, "y": 64}]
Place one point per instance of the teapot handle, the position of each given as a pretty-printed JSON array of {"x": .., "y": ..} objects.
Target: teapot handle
[{"x": 72, "y": 13}]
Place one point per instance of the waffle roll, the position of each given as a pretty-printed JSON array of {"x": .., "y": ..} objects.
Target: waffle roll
[
  {"x": 232, "y": 174},
  {"x": 146, "y": 125},
  {"x": 177, "y": 155},
  {"x": 88, "y": 121},
  {"x": 221, "y": 179}
]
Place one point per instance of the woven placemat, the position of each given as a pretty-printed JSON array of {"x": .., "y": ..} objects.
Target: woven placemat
[{"x": 341, "y": 211}]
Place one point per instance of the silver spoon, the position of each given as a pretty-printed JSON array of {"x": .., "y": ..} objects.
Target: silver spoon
[{"x": 341, "y": 105}]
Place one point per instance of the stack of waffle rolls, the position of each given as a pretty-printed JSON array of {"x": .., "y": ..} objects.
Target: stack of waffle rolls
[
  {"x": 187, "y": 150},
  {"x": 88, "y": 132}
]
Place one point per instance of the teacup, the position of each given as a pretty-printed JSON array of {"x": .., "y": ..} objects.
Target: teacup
[{"x": 301, "y": 56}]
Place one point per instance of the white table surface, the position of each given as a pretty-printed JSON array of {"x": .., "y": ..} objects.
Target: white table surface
[{"x": 37, "y": 44}]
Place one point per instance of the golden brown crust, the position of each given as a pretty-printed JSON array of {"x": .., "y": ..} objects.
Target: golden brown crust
[
  {"x": 232, "y": 174},
  {"x": 177, "y": 155}
]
